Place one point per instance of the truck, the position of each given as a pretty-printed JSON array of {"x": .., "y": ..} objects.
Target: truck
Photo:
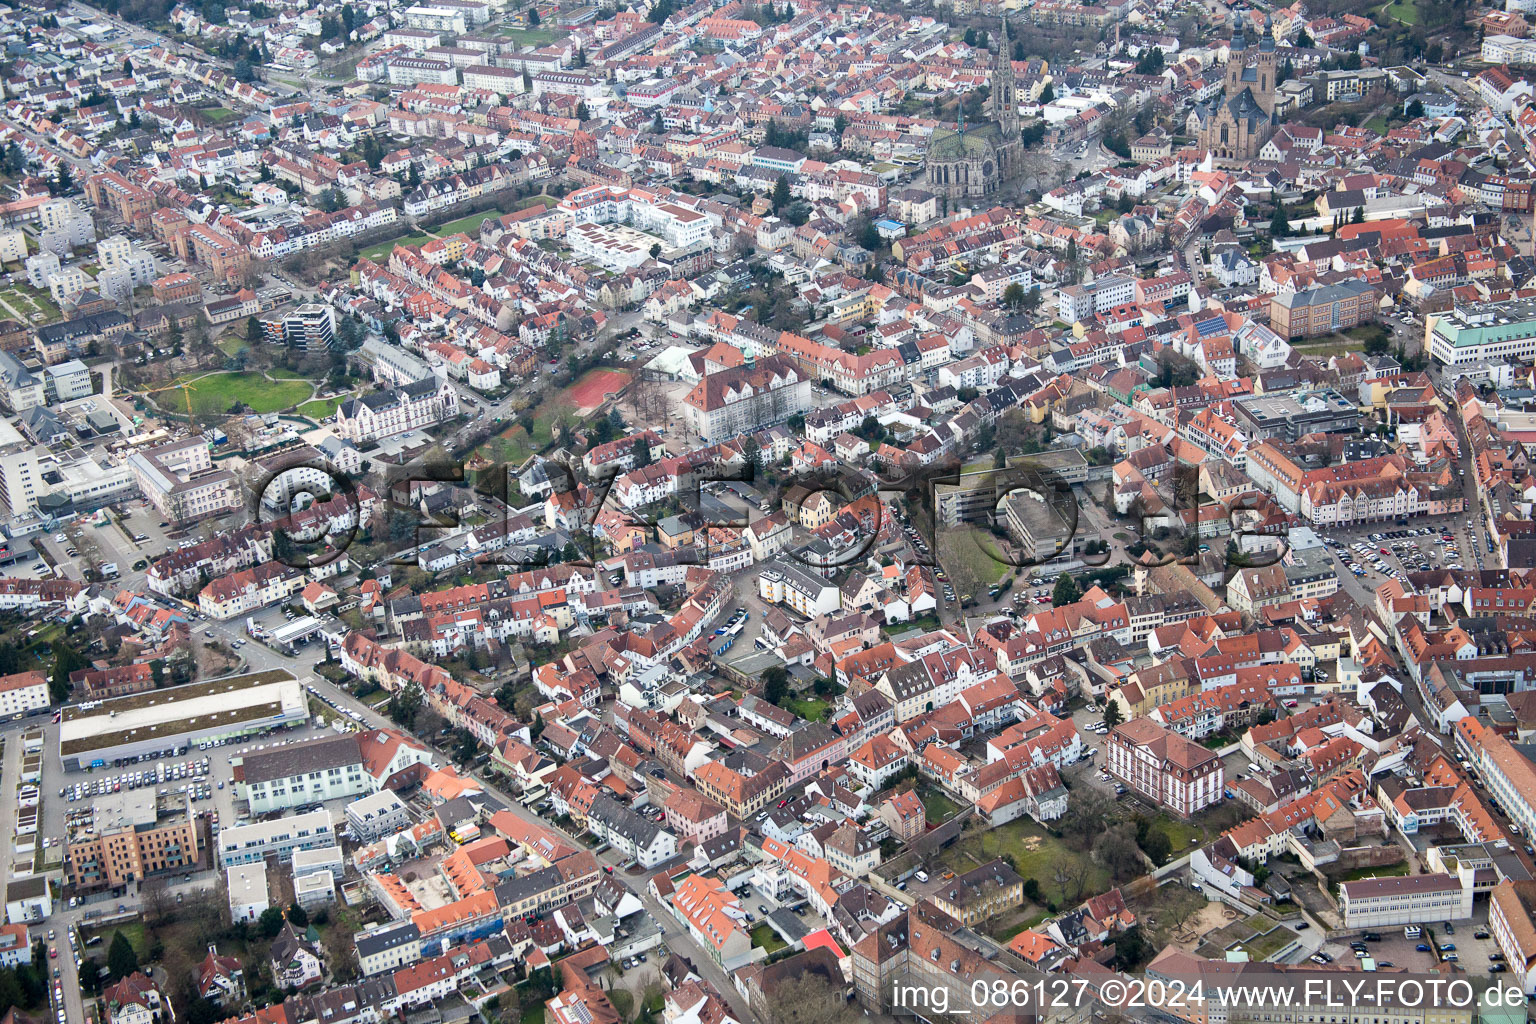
[{"x": 109, "y": 571}]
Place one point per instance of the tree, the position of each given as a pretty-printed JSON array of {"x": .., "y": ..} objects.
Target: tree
[
  {"x": 970, "y": 37},
  {"x": 1085, "y": 816},
  {"x": 1151, "y": 62},
  {"x": 533, "y": 17},
  {"x": 1415, "y": 109},
  {"x": 64, "y": 181},
  {"x": 658, "y": 126},
  {"x": 270, "y": 922},
  {"x": 840, "y": 124},
  {"x": 642, "y": 452},
  {"x": 1013, "y": 295},
  {"x": 298, "y": 916},
  {"x": 808, "y": 999},
  {"x": 1112, "y": 716},
  {"x": 1048, "y": 94},
  {"x": 1116, "y": 849},
  {"x": 1066, "y": 591},
  {"x": 405, "y": 704},
  {"x": 1157, "y": 846},
  {"x": 780, "y": 193},
  {"x": 1279, "y": 224},
  {"x": 582, "y": 113},
  {"x": 1358, "y": 217},
  {"x": 1131, "y": 949},
  {"x": 775, "y": 685},
  {"x": 65, "y": 661},
  {"x": 655, "y": 250},
  {"x": 121, "y": 959}
]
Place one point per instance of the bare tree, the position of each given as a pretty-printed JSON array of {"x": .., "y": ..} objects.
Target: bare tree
[
  {"x": 1087, "y": 815},
  {"x": 1071, "y": 877},
  {"x": 156, "y": 900},
  {"x": 1116, "y": 849},
  {"x": 808, "y": 999},
  {"x": 648, "y": 398}
]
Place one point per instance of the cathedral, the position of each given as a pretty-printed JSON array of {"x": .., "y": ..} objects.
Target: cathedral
[
  {"x": 975, "y": 160},
  {"x": 1233, "y": 127}
]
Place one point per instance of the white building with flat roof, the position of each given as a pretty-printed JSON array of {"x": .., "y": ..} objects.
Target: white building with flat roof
[
  {"x": 1408, "y": 899},
  {"x": 248, "y": 895},
  {"x": 99, "y": 732},
  {"x": 253, "y": 843}
]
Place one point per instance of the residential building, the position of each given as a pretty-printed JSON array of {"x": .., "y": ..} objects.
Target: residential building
[
  {"x": 1164, "y": 767},
  {"x": 250, "y": 844},
  {"x": 129, "y": 837}
]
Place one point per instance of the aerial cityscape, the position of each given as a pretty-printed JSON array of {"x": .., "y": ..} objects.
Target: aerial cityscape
[{"x": 785, "y": 512}]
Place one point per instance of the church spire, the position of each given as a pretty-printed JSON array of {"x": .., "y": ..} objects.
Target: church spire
[{"x": 1005, "y": 96}]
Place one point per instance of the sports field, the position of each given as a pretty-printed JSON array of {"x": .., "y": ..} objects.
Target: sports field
[{"x": 593, "y": 388}]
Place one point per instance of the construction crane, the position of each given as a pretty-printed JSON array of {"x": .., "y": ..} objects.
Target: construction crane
[{"x": 186, "y": 391}]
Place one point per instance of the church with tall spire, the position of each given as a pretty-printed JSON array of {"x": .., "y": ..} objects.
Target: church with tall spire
[
  {"x": 1234, "y": 126},
  {"x": 974, "y": 160}
]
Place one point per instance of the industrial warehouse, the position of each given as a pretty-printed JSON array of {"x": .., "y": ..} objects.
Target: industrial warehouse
[{"x": 102, "y": 732}]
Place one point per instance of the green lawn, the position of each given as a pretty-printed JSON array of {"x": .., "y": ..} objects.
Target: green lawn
[
  {"x": 469, "y": 225},
  {"x": 811, "y": 709},
  {"x": 321, "y": 407},
  {"x": 1377, "y": 124},
  {"x": 540, "y": 199},
  {"x": 1036, "y": 854},
  {"x": 133, "y": 930},
  {"x": 214, "y": 394},
  {"x": 1179, "y": 834},
  {"x": 218, "y": 115},
  {"x": 964, "y": 553},
  {"x": 380, "y": 253},
  {"x": 513, "y": 444},
  {"x": 1405, "y": 11},
  {"x": 29, "y": 301},
  {"x": 1390, "y": 871},
  {"x": 530, "y": 36},
  {"x": 233, "y": 344},
  {"x": 937, "y": 804},
  {"x": 763, "y": 936}
]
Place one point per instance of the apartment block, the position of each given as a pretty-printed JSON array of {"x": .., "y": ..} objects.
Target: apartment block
[
  {"x": 127, "y": 839},
  {"x": 248, "y": 844}
]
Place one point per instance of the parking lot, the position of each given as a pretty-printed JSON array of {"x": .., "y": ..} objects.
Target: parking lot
[
  {"x": 206, "y": 775},
  {"x": 1474, "y": 950},
  {"x": 1373, "y": 555}
]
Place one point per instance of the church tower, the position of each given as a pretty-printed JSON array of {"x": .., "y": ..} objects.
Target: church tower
[{"x": 1005, "y": 88}]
